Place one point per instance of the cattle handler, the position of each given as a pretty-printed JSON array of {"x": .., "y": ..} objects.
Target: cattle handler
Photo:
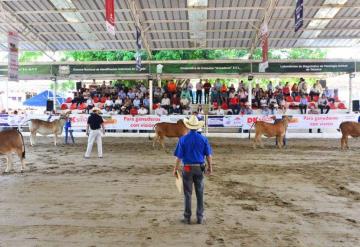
[
  {"x": 191, "y": 150},
  {"x": 93, "y": 130}
]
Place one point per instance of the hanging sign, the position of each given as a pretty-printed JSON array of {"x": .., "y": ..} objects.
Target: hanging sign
[
  {"x": 13, "y": 62},
  {"x": 110, "y": 16},
  {"x": 299, "y": 13}
]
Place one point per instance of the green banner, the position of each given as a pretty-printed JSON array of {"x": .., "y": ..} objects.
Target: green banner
[
  {"x": 32, "y": 70},
  {"x": 116, "y": 69},
  {"x": 312, "y": 67},
  {"x": 207, "y": 68}
]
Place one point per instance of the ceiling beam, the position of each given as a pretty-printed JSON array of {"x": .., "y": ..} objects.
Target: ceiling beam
[
  {"x": 267, "y": 16},
  {"x": 138, "y": 21}
]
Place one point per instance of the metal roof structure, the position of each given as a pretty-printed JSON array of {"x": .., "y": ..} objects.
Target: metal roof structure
[{"x": 53, "y": 25}]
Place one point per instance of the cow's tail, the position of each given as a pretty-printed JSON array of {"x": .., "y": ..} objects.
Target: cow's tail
[
  {"x": 23, "y": 144},
  {"x": 340, "y": 127},
  {"x": 250, "y": 129},
  {"x": 154, "y": 127}
]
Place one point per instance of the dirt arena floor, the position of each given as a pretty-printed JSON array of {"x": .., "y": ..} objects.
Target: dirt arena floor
[{"x": 306, "y": 195}]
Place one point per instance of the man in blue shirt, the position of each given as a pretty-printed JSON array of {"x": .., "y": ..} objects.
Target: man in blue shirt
[{"x": 191, "y": 150}]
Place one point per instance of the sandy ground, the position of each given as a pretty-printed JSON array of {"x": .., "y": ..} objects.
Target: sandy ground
[{"x": 306, "y": 195}]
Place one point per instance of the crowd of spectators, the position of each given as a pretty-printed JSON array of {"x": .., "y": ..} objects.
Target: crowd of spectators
[{"x": 176, "y": 98}]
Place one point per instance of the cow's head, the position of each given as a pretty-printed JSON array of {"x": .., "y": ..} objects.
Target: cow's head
[{"x": 65, "y": 115}]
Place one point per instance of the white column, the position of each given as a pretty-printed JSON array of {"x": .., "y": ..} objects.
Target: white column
[
  {"x": 54, "y": 92},
  {"x": 350, "y": 92},
  {"x": 7, "y": 95},
  {"x": 151, "y": 96}
]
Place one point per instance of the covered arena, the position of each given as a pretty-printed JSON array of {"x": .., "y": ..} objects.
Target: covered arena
[{"x": 307, "y": 194}]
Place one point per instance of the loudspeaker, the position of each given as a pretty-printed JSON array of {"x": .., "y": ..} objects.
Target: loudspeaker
[
  {"x": 49, "y": 105},
  {"x": 355, "y": 105},
  {"x": 78, "y": 85}
]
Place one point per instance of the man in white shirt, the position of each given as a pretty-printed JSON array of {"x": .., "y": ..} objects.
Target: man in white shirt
[
  {"x": 160, "y": 111},
  {"x": 109, "y": 103},
  {"x": 199, "y": 88},
  {"x": 142, "y": 110}
]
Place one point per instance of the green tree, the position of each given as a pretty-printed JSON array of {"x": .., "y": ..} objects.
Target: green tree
[{"x": 30, "y": 56}]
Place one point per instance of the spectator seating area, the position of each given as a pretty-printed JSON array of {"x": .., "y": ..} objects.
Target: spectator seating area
[{"x": 186, "y": 98}]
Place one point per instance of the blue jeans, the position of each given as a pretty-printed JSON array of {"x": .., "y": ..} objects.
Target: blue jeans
[
  {"x": 67, "y": 131},
  {"x": 196, "y": 176}
]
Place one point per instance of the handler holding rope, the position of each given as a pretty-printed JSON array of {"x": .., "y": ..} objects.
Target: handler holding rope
[{"x": 191, "y": 150}]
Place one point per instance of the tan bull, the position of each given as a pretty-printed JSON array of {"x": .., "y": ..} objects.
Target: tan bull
[
  {"x": 47, "y": 128},
  {"x": 170, "y": 130},
  {"x": 277, "y": 130},
  {"x": 349, "y": 129},
  {"x": 12, "y": 141}
]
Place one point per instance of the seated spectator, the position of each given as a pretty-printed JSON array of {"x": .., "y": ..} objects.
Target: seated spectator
[
  {"x": 279, "y": 96},
  {"x": 175, "y": 109},
  {"x": 89, "y": 105},
  {"x": 265, "y": 110},
  {"x": 160, "y": 111},
  {"x": 136, "y": 102},
  {"x": 133, "y": 111},
  {"x": 273, "y": 105},
  {"x": 246, "y": 110},
  {"x": 118, "y": 103},
  {"x": 303, "y": 104},
  {"x": 219, "y": 112},
  {"x": 329, "y": 93},
  {"x": 323, "y": 104},
  {"x": 185, "y": 94},
  {"x": 314, "y": 92},
  {"x": 131, "y": 94},
  {"x": 165, "y": 102},
  {"x": 241, "y": 86},
  {"x": 157, "y": 95},
  {"x": 234, "y": 104},
  {"x": 303, "y": 87},
  {"x": 146, "y": 102},
  {"x": 109, "y": 103},
  {"x": 175, "y": 100},
  {"x": 263, "y": 102},
  {"x": 125, "y": 110},
  {"x": 186, "y": 110},
  {"x": 142, "y": 110},
  {"x": 243, "y": 95},
  {"x": 107, "y": 110},
  {"x": 122, "y": 94}
]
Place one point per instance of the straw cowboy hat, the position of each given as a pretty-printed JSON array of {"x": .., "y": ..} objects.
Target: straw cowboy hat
[
  {"x": 96, "y": 110},
  {"x": 193, "y": 123}
]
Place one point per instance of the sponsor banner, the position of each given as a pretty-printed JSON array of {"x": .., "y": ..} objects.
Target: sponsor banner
[
  {"x": 106, "y": 69},
  {"x": 311, "y": 67},
  {"x": 147, "y": 122},
  {"x": 209, "y": 68},
  {"x": 299, "y": 13},
  {"x": 13, "y": 61},
  {"x": 110, "y": 16},
  {"x": 296, "y": 122}
]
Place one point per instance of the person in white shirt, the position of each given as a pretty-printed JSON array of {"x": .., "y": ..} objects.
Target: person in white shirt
[
  {"x": 142, "y": 110},
  {"x": 199, "y": 88},
  {"x": 165, "y": 102},
  {"x": 90, "y": 104},
  {"x": 219, "y": 112},
  {"x": 190, "y": 88},
  {"x": 109, "y": 103},
  {"x": 136, "y": 102},
  {"x": 160, "y": 111}
]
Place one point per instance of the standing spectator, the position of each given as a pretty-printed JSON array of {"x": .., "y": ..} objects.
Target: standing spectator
[
  {"x": 189, "y": 87},
  {"x": 191, "y": 150},
  {"x": 217, "y": 85},
  {"x": 294, "y": 90},
  {"x": 269, "y": 87},
  {"x": 286, "y": 90},
  {"x": 223, "y": 93},
  {"x": 171, "y": 88},
  {"x": 303, "y": 104},
  {"x": 215, "y": 96},
  {"x": 207, "y": 87},
  {"x": 68, "y": 130},
  {"x": 199, "y": 88},
  {"x": 323, "y": 104},
  {"x": 303, "y": 88},
  {"x": 94, "y": 123}
]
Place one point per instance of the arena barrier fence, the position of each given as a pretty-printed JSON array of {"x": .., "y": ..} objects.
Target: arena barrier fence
[{"x": 147, "y": 122}]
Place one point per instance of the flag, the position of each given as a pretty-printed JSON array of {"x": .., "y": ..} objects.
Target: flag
[
  {"x": 264, "y": 32},
  {"x": 299, "y": 13},
  {"x": 138, "y": 49},
  {"x": 13, "y": 62},
  {"x": 110, "y": 16}
]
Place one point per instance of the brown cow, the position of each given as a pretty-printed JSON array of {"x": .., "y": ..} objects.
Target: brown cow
[
  {"x": 12, "y": 141},
  {"x": 277, "y": 130},
  {"x": 349, "y": 129},
  {"x": 47, "y": 128},
  {"x": 162, "y": 130}
]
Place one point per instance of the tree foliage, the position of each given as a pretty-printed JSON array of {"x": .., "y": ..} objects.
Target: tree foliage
[
  {"x": 30, "y": 56},
  {"x": 64, "y": 87}
]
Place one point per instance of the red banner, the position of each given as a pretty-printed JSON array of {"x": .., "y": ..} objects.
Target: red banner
[{"x": 110, "y": 16}]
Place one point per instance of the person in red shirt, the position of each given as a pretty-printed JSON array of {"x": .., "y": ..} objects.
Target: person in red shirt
[
  {"x": 133, "y": 111},
  {"x": 235, "y": 104},
  {"x": 286, "y": 90},
  {"x": 171, "y": 87},
  {"x": 207, "y": 87}
]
